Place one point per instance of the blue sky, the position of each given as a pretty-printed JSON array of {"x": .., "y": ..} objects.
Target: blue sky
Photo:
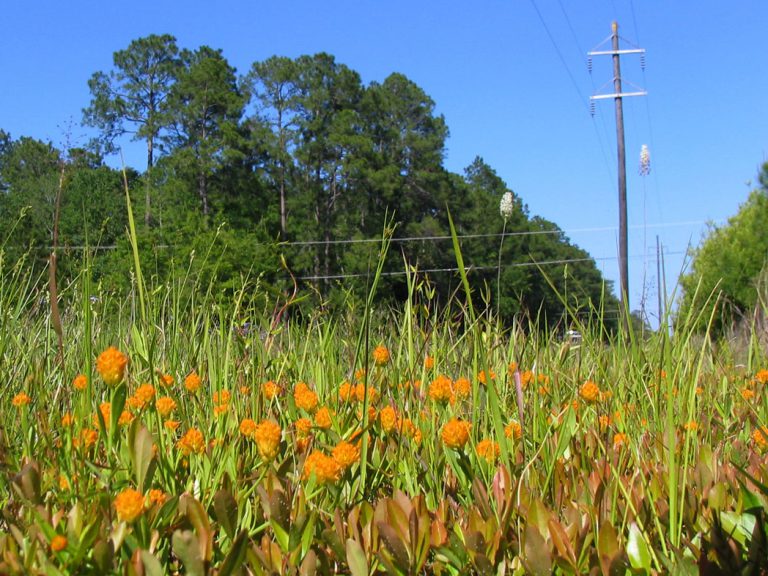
[{"x": 509, "y": 76}]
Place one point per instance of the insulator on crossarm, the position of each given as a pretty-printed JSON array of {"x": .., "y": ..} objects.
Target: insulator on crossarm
[
  {"x": 589, "y": 64},
  {"x": 592, "y": 108},
  {"x": 642, "y": 61}
]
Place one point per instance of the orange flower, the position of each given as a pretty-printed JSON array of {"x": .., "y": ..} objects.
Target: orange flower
[
  {"x": 409, "y": 430},
  {"x": 80, "y": 382},
  {"x": 192, "y": 441},
  {"x": 143, "y": 396},
  {"x": 345, "y": 454},
  {"x": 165, "y": 406},
  {"x": 429, "y": 362},
  {"x": 488, "y": 450},
  {"x": 324, "y": 468},
  {"x": 192, "y": 382},
  {"x": 270, "y": 390},
  {"x": 302, "y": 444},
  {"x": 462, "y": 388},
  {"x": 166, "y": 380},
  {"x": 67, "y": 420},
  {"x": 303, "y": 427},
  {"x": 106, "y": 411},
  {"x": 129, "y": 505},
  {"x": 373, "y": 394},
  {"x": 21, "y": 399},
  {"x": 619, "y": 440},
  {"x": 360, "y": 374},
  {"x": 513, "y": 430},
  {"x": 388, "y": 419},
  {"x": 747, "y": 393},
  {"x": 589, "y": 392},
  {"x": 760, "y": 437},
  {"x": 525, "y": 378},
  {"x": 381, "y": 355},
  {"x": 762, "y": 376},
  {"x": 691, "y": 426},
  {"x": 323, "y": 418},
  {"x": 482, "y": 376},
  {"x": 58, "y": 543},
  {"x": 171, "y": 424},
  {"x": 125, "y": 418},
  {"x": 305, "y": 398},
  {"x": 346, "y": 392},
  {"x": 222, "y": 397},
  {"x": 111, "y": 366},
  {"x": 455, "y": 433},
  {"x": 267, "y": 436},
  {"x": 604, "y": 422},
  {"x": 157, "y": 497},
  {"x": 247, "y": 428},
  {"x": 88, "y": 437},
  {"x": 440, "y": 390}
]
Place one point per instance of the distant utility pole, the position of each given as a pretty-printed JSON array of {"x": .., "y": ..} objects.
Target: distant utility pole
[{"x": 617, "y": 95}]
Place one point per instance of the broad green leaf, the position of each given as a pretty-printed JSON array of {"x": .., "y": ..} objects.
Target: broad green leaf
[
  {"x": 119, "y": 396},
  {"x": 537, "y": 560},
  {"x": 358, "y": 564},
  {"x": 142, "y": 460},
  {"x": 225, "y": 508},
  {"x": 152, "y": 566},
  {"x": 236, "y": 555},
  {"x": 186, "y": 547},
  {"x": 637, "y": 549}
]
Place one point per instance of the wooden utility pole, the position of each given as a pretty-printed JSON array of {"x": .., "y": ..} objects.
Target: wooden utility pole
[{"x": 616, "y": 53}]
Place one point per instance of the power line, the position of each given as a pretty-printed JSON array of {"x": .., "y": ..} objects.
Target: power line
[
  {"x": 474, "y": 268},
  {"x": 405, "y": 239}
]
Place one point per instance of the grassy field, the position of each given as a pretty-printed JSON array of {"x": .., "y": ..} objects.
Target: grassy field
[{"x": 169, "y": 433}]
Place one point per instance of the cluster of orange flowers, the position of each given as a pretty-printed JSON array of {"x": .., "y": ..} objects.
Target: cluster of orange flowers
[
  {"x": 589, "y": 392},
  {"x": 192, "y": 442},
  {"x": 442, "y": 389},
  {"x": 305, "y": 398},
  {"x": 381, "y": 356},
  {"x": 111, "y": 366}
]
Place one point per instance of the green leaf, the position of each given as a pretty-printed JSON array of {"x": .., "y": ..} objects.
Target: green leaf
[
  {"x": 27, "y": 482},
  {"x": 358, "y": 564},
  {"x": 152, "y": 566},
  {"x": 235, "y": 556},
  {"x": 749, "y": 500},
  {"x": 142, "y": 460},
  {"x": 119, "y": 396},
  {"x": 186, "y": 547},
  {"x": 397, "y": 550},
  {"x": 225, "y": 509},
  {"x": 538, "y": 559},
  {"x": 199, "y": 519},
  {"x": 103, "y": 554},
  {"x": 637, "y": 549}
]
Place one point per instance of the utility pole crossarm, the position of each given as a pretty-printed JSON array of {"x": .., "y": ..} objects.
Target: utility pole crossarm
[
  {"x": 618, "y": 95},
  {"x": 612, "y": 52}
]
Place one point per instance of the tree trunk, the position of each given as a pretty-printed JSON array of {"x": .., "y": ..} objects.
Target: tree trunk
[
  {"x": 150, "y": 161},
  {"x": 202, "y": 190}
]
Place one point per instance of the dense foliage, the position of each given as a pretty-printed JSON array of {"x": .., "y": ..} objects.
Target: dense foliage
[
  {"x": 290, "y": 171},
  {"x": 192, "y": 438},
  {"x": 730, "y": 265}
]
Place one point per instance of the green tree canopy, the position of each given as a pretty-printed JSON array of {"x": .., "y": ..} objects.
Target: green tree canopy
[{"x": 726, "y": 266}]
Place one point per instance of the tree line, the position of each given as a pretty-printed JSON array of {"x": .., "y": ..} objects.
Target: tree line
[{"x": 280, "y": 173}]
